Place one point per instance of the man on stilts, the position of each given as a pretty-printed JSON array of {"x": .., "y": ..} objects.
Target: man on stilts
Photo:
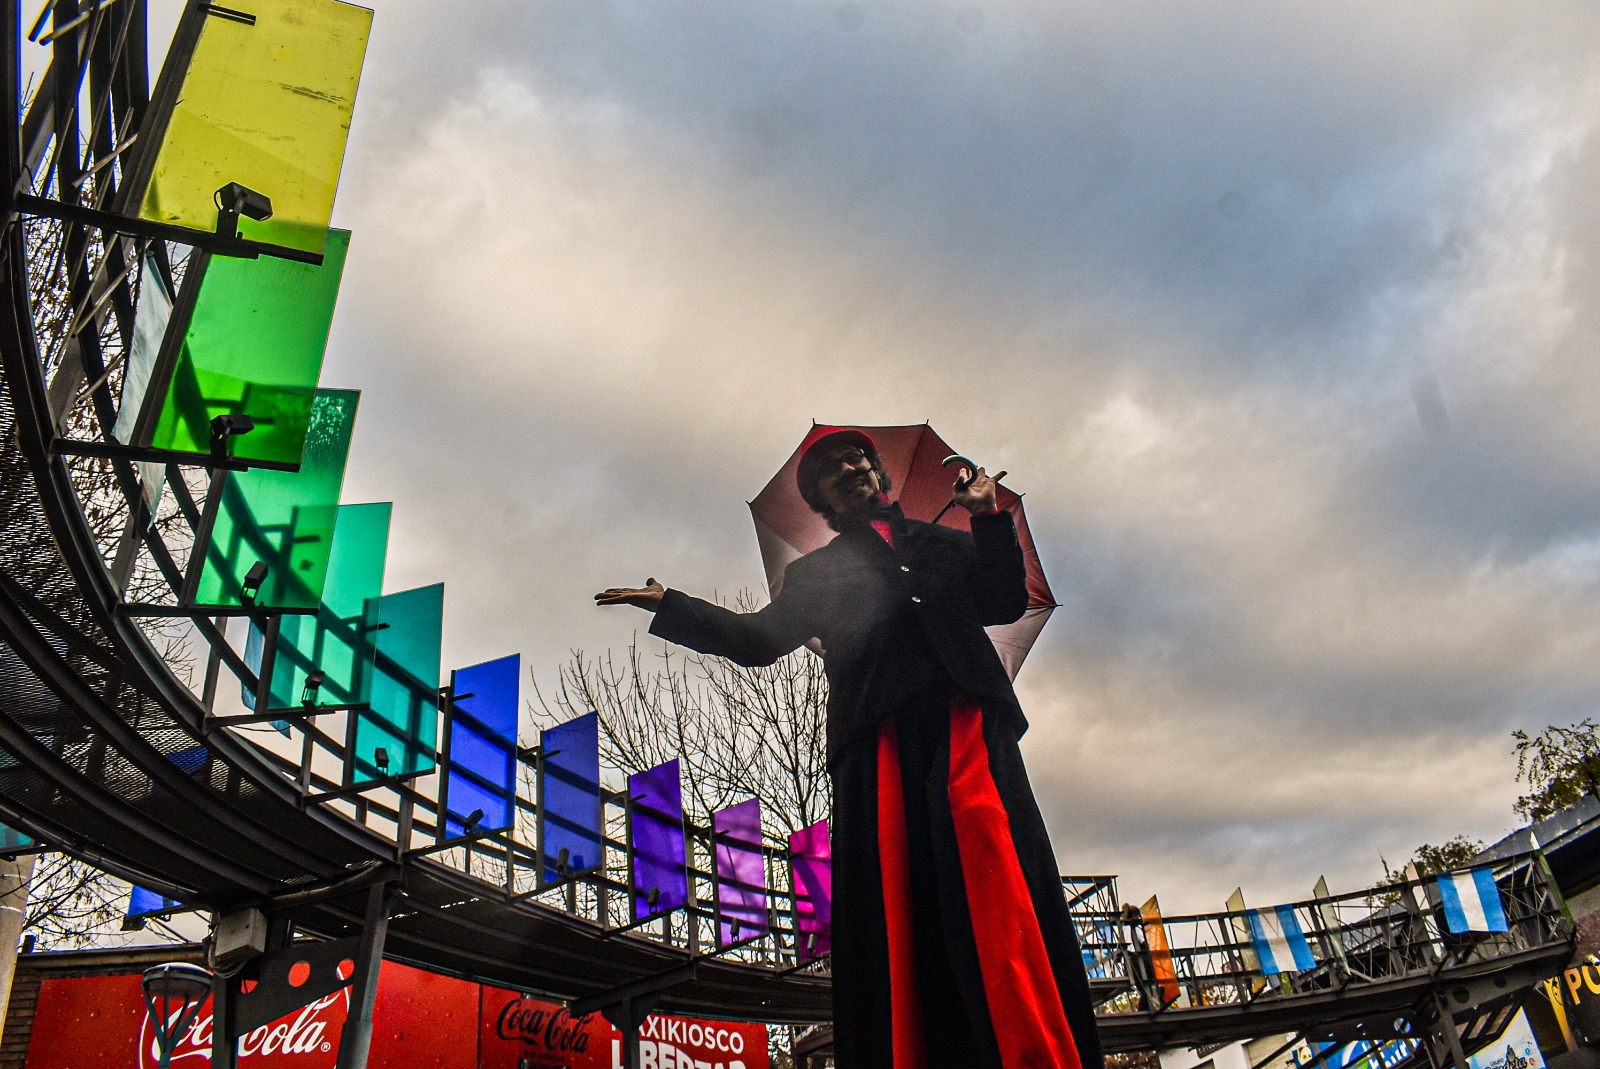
[{"x": 952, "y": 946}]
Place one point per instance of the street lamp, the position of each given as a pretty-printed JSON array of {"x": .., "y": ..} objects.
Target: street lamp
[{"x": 175, "y": 984}]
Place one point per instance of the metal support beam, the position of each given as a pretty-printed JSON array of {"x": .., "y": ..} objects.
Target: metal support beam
[
  {"x": 356, "y": 1039},
  {"x": 627, "y": 1017}
]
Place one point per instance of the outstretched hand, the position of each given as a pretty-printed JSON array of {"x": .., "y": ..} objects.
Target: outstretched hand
[
  {"x": 647, "y": 597},
  {"x": 979, "y": 494}
]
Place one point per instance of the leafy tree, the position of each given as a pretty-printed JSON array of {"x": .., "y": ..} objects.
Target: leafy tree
[
  {"x": 1560, "y": 765},
  {"x": 1429, "y": 859}
]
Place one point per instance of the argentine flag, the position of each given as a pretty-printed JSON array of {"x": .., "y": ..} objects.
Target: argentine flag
[
  {"x": 1280, "y": 941},
  {"x": 1472, "y": 901}
]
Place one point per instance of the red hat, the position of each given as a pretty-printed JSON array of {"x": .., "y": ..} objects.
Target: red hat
[{"x": 806, "y": 474}]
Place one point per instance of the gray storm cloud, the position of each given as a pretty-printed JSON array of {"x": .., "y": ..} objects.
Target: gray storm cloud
[{"x": 1282, "y": 317}]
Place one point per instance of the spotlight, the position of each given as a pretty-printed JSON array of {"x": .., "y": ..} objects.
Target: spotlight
[
  {"x": 474, "y": 818},
  {"x": 251, "y": 588},
  {"x": 234, "y": 200},
  {"x": 308, "y": 694},
  {"x": 562, "y": 860},
  {"x": 380, "y": 757},
  {"x": 653, "y": 899},
  {"x": 231, "y": 424}
]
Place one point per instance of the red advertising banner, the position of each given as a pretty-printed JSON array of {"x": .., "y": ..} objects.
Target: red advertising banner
[{"x": 421, "y": 1021}]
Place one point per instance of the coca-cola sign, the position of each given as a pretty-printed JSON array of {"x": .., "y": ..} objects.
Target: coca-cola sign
[
  {"x": 528, "y": 1033},
  {"x": 305, "y": 1039},
  {"x": 420, "y": 1020}
]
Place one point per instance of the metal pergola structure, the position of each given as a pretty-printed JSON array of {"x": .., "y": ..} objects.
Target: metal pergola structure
[{"x": 106, "y": 754}]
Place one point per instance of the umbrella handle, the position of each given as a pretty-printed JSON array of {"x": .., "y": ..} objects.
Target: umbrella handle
[
  {"x": 954, "y": 458},
  {"x": 961, "y": 484}
]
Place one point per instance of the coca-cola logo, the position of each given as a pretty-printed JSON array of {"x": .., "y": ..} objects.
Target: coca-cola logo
[
  {"x": 304, "y": 1036},
  {"x": 553, "y": 1027}
]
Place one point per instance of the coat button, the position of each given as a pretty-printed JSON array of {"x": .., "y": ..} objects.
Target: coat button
[
  {"x": 916, "y": 599},
  {"x": 903, "y": 568}
]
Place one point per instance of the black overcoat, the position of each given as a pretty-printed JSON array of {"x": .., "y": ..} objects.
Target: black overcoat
[
  {"x": 901, "y": 625},
  {"x": 886, "y": 618}
]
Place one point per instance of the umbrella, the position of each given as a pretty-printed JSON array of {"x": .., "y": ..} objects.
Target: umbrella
[{"x": 787, "y": 529}]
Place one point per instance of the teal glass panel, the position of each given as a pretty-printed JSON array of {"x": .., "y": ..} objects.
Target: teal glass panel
[
  {"x": 403, "y": 717},
  {"x": 150, "y": 320},
  {"x": 12, "y": 839},
  {"x": 254, "y": 346},
  {"x": 282, "y": 519},
  {"x": 266, "y": 102},
  {"x": 340, "y": 641}
]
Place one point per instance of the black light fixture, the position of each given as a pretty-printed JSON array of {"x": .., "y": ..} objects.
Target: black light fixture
[
  {"x": 180, "y": 988},
  {"x": 314, "y": 681},
  {"x": 470, "y": 825},
  {"x": 653, "y": 899},
  {"x": 251, "y": 587},
  {"x": 231, "y": 425},
  {"x": 563, "y": 859},
  {"x": 380, "y": 757},
  {"x": 234, "y": 200}
]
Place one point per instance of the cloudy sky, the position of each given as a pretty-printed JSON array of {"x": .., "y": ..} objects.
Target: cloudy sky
[{"x": 1281, "y": 315}]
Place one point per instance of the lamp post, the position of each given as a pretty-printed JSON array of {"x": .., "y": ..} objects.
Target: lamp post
[{"x": 175, "y": 984}]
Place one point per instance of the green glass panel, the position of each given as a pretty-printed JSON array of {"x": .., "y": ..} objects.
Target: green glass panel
[
  {"x": 12, "y": 839},
  {"x": 403, "y": 718},
  {"x": 284, "y": 519},
  {"x": 341, "y": 640},
  {"x": 268, "y": 106},
  {"x": 254, "y": 346}
]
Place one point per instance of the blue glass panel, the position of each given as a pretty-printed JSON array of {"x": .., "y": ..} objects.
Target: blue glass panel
[
  {"x": 403, "y": 717},
  {"x": 144, "y": 902},
  {"x": 659, "y": 865},
  {"x": 569, "y": 810},
  {"x": 741, "y": 873},
  {"x": 190, "y": 760},
  {"x": 482, "y": 744},
  {"x": 811, "y": 869},
  {"x": 12, "y": 839}
]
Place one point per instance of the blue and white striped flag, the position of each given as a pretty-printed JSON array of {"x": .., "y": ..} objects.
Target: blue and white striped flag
[
  {"x": 1472, "y": 901},
  {"x": 1280, "y": 941}
]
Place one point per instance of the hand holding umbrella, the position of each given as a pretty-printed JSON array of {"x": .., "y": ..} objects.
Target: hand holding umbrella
[{"x": 974, "y": 490}]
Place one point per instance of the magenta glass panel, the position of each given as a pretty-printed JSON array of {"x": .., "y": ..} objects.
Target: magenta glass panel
[
  {"x": 741, "y": 873},
  {"x": 658, "y": 866},
  {"x": 811, "y": 868}
]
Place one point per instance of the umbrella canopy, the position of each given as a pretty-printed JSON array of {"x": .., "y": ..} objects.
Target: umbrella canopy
[{"x": 787, "y": 529}]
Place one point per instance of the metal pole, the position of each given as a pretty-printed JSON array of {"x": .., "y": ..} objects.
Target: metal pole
[
  {"x": 356, "y": 1039},
  {"x": 1447, "y": 1028},
  {"x": 15, "y": 876},
  {"x": 224, "y": 1044}
]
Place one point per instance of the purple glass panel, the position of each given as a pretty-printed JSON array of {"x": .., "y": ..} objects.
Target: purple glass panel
[
  {"x": 811, "y": 868},
  {"x": 741, "y": 873},
  {"x": 659, "y": 865}
]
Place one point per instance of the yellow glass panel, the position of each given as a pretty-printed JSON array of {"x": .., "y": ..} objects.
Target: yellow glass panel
[{"x": 268, "y": 106}]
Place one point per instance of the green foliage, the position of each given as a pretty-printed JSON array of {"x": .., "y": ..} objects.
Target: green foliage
[
  {"x": 1429, "y": 859},
  {"x": 1560, "y": 765}
]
